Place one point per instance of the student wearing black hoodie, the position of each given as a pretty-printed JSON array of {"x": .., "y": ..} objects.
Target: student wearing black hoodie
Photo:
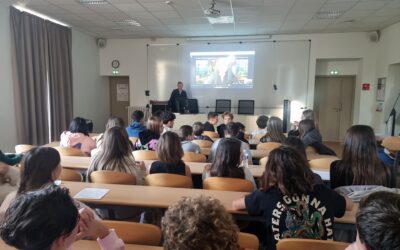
[{"x": 308, "y": 133}]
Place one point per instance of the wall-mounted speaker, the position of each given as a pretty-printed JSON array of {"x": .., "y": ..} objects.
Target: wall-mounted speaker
[
  {"x": 101, "y": 42},
  {"x": 374, "y": 36}
]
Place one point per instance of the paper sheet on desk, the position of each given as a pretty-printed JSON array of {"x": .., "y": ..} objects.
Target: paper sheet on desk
[{"x": 91, "y": 193}]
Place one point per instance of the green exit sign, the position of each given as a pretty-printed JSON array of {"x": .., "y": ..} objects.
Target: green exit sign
[
  {"x": 115, "y": 72},
  {"x": 334, "y": 72}
]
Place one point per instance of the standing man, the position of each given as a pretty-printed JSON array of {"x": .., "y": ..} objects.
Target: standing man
[{"x": 178, "y": 100}]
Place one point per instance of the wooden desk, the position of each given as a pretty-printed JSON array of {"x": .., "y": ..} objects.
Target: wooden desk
[{"x": 88, "y": 244}]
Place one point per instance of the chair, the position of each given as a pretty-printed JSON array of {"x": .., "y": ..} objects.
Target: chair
[
  {"x": 269, "y": 146},
  {"x": 193, "y": 157},
  {"x": 306, "y": 244},
  {"x": 246, "y": 107},
  {"x": 248, "y": 241},
  {"x": 203, "y": 143},
  {"x": 211, "y": 134},
  {"x": 133, "y": 140},
  {"x": 135, "y": 233},
  {"x": 70, "y": 175},
  {"x": 263, "y": 161},
  {"x": 222, "y": 105},
  {"x": 322, "y": 163},
  {"x": 193, "y": 106},
  {"x": 23, "y": 148},
  {"x": 311, "y": 150},
  {"x": 169, "y": 180},
  {"x": 112, "y": 177},
  {"x": 143, "y": 155},
  {"x": 228, "y": 184},
  {"x": 66, "y": 151}
]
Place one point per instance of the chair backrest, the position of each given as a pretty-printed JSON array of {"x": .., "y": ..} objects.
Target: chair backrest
[
  {"x": 70, "y": 175},
  {"x": 211, "y": 134},
  {"x": 246, "y": 107},
  {"x": 143, "y": 155},
  {"x": 268, "y": 146},
  {"x": 311, "y": 150},
  {"x": 66, "y": 151},
  {"x": 203, "y": 143},
  {"x": 135, "y": 233},
  {"x": 228, "y": 184},
  {"x": 222, "y": 105},
  {"x": 306, "y": 244},
  {"x": 169, "y": 180},
  {"x": 392, "y": 143},
  {"x": 259, "y": 136},
  {"x": 193, "y": 157},
  {"x": 263, "y": 161},
  {"x": 248, "y": 241},
  {"x": 23, "y": 148},
  {"x": 133, "y": 140},
  {"x": 193, "y": 106},
  {"x": 112, "y": 177},
  {"x": 322, "y": 163}
]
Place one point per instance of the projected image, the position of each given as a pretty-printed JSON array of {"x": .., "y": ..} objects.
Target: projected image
[{"x": 227, "y": 69}]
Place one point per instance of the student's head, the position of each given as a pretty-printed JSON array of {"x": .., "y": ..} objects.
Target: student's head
[
  {"x": 305, "y": 126},
  {"x": 79, "y": 125},
  {"x": 287, "y": 170},
  {"x": 360, "y": 155},
  {"x": 199, "y": 223},
  {"x": 39, "y": 168},
  {"x": 297, "y": 144},
  {"x": 43, "y": 219},
  {"x": 179, "y": 85},
  {"x": 232, "y": 129},
  {"x": 116, "y": 143},
  {"x": 198, "y": 128},
  {"x": 168, "y": 119},
  {"x": 186, "y": 133},
  {"x": 275, "y": 129},
  {"x": 227, "y": 159},
  {"x": 378, "y": 221},
  {"x": 154, "y": 124},
  {"x": 227, "y": 117},
  {"x": 138, "y": 116},
  {"x": 262, "y": 121},
  {"x": 310, "y": 115},
  {"x": 242, "y": 127},
  {"x": 169, "y": 148},
  {"x": 212, "y": 118},
  {"x": 158, "y": 113},
  {"x": 115, "y": 121}
]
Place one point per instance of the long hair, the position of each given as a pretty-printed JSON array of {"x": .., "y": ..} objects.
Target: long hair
[
  {"x": 305, "y": 126},
  {"x": 37, "y": 168},
  {"x": 287, "y": 170},
  {"x": 169, "y": 148},
  {"x": 360, "y": 157},
  {"x": 275, "y": 130},
  {"x": 116, "y": 154},
  {"x": 115, "y": 121},
  {"x": 154, "y": 124},
  {"x": 227, "y": 159},
  {"x": 310, "y": 115}
]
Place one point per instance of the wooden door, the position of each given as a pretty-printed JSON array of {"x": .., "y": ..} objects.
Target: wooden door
[{"x": 119, "y": 97}]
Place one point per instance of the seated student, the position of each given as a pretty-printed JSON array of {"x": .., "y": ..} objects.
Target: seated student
[
  {"x": 40, "y": 167},
  {"x": 168, "y": 120},
  {"x": 137, "y": 124},
  {"x": 186, "y": 136},
  {"x": 227, "y": 117},
  {"x": 212, "y": 120},
  {"x": 78, "y": 136},
  {"x": 293, "y": 207},
  {"x": 113, "y": 121},
  {"x": 308, "y": 133},
  {"x": 275, "y": 131},
  {"x": 198, "y": 129},
  {"x": 227, "y": 162},
  {"x": 9, "y": 175},
  {"x": 306, "y": 115},
  {"x": 169, "y": 152},
  {"x": 377, "y": 223},
  {"x": 232, "y": 131},
  {"x": 360, "y": 164},
  {"x": 49, "y": 219},
  {"x": 242, "y": 131},
  {"x": 199, "y": 223},
  {"x": 149, "y": 137},
  {"x": 262, "y": 121}
]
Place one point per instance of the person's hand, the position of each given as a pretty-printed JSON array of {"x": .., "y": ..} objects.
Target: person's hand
[
  {"x": 141, "y": 165},
  {"x": 86, "y": 217},
  {"x": 94, "y": 229}
]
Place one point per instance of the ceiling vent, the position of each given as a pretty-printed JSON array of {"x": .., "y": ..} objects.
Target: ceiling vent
[{"x": 330, "y": 14}]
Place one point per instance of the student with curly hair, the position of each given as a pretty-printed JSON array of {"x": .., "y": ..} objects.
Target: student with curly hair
[{"x": 199, "y": 223}]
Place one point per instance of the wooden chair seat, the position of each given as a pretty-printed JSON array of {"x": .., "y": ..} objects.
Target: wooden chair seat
[
  {"x": 322, "y": 163},
  {"x": 193, "y": 157},
  {"x": 66, "y": 151},
  {"x": 306, "y": 244},
  {"x": 23, "y": 148},
  {"x": 211, "y": 134},
  {"x": 392, "y": 143},
  {"x": 203, "y": 143},
  {"x": 133, "y": 140},
  {"x": 268, "y": 146},
  {"x": 143, "y": 155},
  {"x": 169, "y": 180},
  {"x": 248, "y": 241},
  {"x": 228, "y": 184},
  {"x": 70, "y": 175},
  {"x": 112, "y": 177},
  {"x": 263, "y": 161},
  {"x": 135, "y": 233}
]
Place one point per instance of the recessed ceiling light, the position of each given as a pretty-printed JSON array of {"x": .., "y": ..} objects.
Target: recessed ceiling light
[
  {"x": 168, "y": 2},
  {"x": 221, "y": 19},
  {"x": 92, "y": 2},
  {"x": 349, "y": 21},
  {"x": 330, "y": 14},
  {"x": 128, "y": 22}
]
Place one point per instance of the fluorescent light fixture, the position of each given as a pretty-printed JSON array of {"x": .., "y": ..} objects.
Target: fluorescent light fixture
[
  {"x": 330, "y": 14},
  {"x": 223, "y": 53},
  {"x": 221, "y": 19},
  {"x": 129, "y": 22},
  {"x": 22, "y": 8},
  {"x": 92, "y": 2},
  {"x": 227, "y": 38}
]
